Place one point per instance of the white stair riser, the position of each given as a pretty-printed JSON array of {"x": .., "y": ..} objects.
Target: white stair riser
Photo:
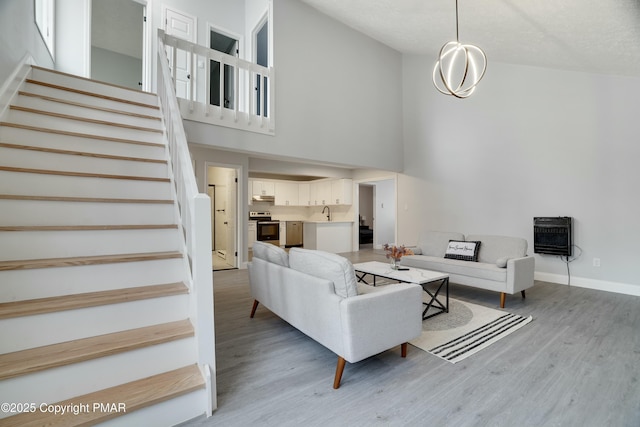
[
  {"x": 16, "y": 285},
  {"x": 55, "y": 185},
  {"x": 170, "y": 413},
  {"x": 61, "y": 244},
  {"x": 66, "y": 142},
  {"x": 89, "y": 113},
  {"x": 66, "y": 382},
  {"x": 89, "y": 100},
  {"x": 93, "y": 86},
  {"x": 68, "y": 125},
  {"x": 80, "y": 163},
  {"x": 51, "y": 328},
  {"x": 29, "y": 212}
]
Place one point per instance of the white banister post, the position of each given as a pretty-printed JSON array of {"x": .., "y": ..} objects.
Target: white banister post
[
  {"x": 272, "y": 92},
  {"x": 221, "y": 88},
  {"x": 207, "y": 85},
  {"x": 203, "y": 285},
  {"x": 236, "y": 88}
]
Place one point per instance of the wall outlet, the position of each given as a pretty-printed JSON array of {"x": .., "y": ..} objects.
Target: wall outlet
[{"x": 596, "y": 262}]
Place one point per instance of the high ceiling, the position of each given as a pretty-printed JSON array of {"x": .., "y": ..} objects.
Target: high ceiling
[{"x": 599, "y": 36}]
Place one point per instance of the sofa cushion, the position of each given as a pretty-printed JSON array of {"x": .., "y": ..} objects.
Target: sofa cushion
[
  {"x": 478, "y": 270},
  {"x": 462, "y": 250},
  {"x": 494, "y": 247},
  {"x": 434, "y": 243},
  {"x": 326, "y": 266},
  {"x": 271, "y": 253}
]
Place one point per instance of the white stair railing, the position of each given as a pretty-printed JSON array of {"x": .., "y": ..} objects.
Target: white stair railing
[
  {"x": 246, "y": 90},
  {"x": 195, "y": 213}
]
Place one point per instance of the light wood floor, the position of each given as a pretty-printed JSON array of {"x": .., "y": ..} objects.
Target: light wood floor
[{"x": 576, "y": 364}]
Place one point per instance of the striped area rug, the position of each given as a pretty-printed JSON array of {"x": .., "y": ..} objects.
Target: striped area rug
[{"x": 465, "y": 330}]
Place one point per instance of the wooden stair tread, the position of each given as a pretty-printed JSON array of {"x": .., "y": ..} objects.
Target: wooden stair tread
[
  {"x": 83, "y": 199},
  {"x": 88, "y": 299},
  {"x": 88, "y": 106},
  {"x": 88, "y": 79},
  {"x": 134, "y": 395},
  {"x": 92, "y": 94},
  {"x": 80, "y": 153},
  {"x": 83, "y": 174},
  {"x": 82, "y": 119},
  {"x": 87, "y": 227},
  {"x": 85, "y": 260},
  {"x": 81, "y": 135},
  {"x": 51, "y": 356}
]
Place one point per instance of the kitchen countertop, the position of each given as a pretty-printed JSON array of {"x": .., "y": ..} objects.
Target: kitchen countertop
[{"x": 329, "y": 222}]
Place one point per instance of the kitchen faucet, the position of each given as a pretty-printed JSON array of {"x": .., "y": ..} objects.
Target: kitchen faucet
[{"x": 328, "y": 212}]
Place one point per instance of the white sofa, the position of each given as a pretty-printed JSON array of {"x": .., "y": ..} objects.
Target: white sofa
[
  {"x": 317, "y": 293},
  {"x": 502, "y": 264}
]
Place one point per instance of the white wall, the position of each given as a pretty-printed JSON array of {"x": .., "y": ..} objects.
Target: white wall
[
  {"x": 338, "y": 96},
  {"x": 530, "y": 142},
  {"x": 116, "y": 68},
  {"x": 19, "y": 35}
]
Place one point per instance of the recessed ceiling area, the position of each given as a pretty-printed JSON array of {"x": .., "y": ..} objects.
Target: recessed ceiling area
[{"x": 600, "y": 36}]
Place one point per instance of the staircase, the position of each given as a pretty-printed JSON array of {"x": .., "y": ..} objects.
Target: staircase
[{"x": 95, "y": 304}]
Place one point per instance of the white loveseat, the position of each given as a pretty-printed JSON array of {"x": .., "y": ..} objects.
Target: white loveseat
[
  {"x": 317, "y": 293},
  {"x": 502, "y": 262}
]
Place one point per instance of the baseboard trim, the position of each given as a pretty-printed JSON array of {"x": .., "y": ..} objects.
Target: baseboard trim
[{"x": 583, "y": 282}]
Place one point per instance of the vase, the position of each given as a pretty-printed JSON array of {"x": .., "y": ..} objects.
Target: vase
[{"x": 394, "y": 263}]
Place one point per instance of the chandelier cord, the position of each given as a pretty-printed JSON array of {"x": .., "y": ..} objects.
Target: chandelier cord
[{"x": 457, "y": 31}]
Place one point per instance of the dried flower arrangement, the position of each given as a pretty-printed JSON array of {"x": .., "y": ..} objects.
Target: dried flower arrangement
[{"x": 396, "y": 252}]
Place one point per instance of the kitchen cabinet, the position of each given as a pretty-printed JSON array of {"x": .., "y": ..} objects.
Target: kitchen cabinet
[
  {"x": 262, "y": 188},
  {"x": 303, "y": 194},
  {"x": 342, "y": 192},
  {"x": 252, "y": 233},
  {"x": 320, "y": 193},
  {"x": 283, "y": 233},
  {"x": 286, "y": 193},
  {"x": 328, "y": 236}
]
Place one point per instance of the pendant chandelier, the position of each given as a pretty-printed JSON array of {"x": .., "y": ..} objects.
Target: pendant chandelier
[{"x": 459, "y": 67}]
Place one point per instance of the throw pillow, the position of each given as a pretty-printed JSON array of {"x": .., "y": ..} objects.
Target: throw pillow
[{"x": 462, "y": 250}]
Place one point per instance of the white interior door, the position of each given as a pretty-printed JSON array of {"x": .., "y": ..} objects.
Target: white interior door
[
  {"x": 232, "y": 203},
  {"x": 181, "y": 25}
]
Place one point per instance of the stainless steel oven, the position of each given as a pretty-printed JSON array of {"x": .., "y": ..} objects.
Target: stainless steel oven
[{"x": 267, "y": 230}]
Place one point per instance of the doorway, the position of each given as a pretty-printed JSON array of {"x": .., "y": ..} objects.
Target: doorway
[
  {"x": 222, "y": 190},
  {"x": 365, "y": 216},
  {"x": 230, "y": 45},
  {"x": 383, "y": 212},
  {"x": 181, "y": 25},
  {"x": 117, "y": 42},
  {"x": 261, "y": 49}
]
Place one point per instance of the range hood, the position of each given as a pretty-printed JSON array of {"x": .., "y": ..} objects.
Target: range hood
[{"x": 269, "y": 199}]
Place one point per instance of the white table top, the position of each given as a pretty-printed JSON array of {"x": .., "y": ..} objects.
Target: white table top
[{"x": 413, "y": 275}]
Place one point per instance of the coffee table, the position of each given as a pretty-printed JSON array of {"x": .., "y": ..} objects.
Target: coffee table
[{"x": 432, "y": 282}]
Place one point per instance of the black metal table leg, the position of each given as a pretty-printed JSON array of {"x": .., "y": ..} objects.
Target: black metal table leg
[{"x": 434, "y": 302}]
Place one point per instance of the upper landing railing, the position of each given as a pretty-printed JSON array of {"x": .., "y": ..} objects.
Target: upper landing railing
[{"x": 213, "y": 87}]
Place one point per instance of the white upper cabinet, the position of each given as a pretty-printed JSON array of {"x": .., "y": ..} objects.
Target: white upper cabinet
[
  {"x": 342, "y": 192},
  {"x": 303, "y": 194},
  {"x": 263, "y": 188},
  {"x": 320, "y": 193},
  {"x": 286, "y": 193}
]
